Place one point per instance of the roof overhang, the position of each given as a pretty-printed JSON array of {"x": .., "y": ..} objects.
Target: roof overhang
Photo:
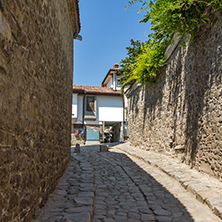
[
  {"x": 107, "y": 79},
  {"x": 73, "y": 6},
  {"x": 103, "y": 94},
  {"x": 109, "y": 75},
  {"x": 80, "y": 91},
  {"x": 91, "y": 91}
]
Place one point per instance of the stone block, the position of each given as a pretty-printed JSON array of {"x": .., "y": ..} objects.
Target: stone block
[
  {"x": 5, "y": 27},
  {"x": 180, "y": 148},
  {"x": 104, "y": 148},
  {"x": 77, "y": 149}
]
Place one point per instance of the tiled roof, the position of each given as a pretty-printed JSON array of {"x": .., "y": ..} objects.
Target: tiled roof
[{"x": 95, "y": 90}]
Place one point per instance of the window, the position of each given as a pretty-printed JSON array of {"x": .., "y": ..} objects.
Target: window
[
  {"x": 90, "y": 104},
  {"x": 90, "y": 107},
  {"x": 118, "y": 77}
]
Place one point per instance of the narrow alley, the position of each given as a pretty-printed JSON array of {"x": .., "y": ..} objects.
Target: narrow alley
[{"x": 114, "y": 186}]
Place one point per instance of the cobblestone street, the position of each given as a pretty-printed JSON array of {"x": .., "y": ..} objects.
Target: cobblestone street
[{"x": 116, "y": 186}]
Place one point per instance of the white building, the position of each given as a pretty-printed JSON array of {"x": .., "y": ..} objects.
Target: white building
[{"x": 98, "y": 112}]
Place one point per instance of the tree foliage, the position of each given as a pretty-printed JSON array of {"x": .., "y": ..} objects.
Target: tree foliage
[
  {"x": 167, "y": 17},
  {"x": 127, "y": 64},
  {"x": 181, "y": 16}
]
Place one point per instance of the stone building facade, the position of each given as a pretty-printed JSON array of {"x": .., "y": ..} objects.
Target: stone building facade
[
  {"x": 36, "y": 69},
  {"x": 181, "y": 114}
]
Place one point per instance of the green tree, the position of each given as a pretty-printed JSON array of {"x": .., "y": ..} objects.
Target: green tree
[
  {"x": 167, "y": 18},
  {"x": 128, "y": 62},
  {"x": 181, "y": 16}
]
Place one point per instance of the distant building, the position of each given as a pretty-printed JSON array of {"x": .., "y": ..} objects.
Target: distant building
[
  {"x": 112, "y": 79},
  {"x": 98, "y": 112}
]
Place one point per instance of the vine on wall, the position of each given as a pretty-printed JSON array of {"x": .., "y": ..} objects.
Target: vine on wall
[{"x": 167, "y": 17}]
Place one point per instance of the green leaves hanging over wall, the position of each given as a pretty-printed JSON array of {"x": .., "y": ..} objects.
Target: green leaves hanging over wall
[{"x": 167, "y": 17}]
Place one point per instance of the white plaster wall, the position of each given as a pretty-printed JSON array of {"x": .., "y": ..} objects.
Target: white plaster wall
[
  {"x": 74, "y": 106},
  {"x": 110, "y": 108},
  {"x": 110, "y": 83},
  {"x": 79, "y": 109},
  {"x": 125, "y": 98}
]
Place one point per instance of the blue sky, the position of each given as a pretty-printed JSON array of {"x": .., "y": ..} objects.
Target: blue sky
[{"x": 106, "y": 29}]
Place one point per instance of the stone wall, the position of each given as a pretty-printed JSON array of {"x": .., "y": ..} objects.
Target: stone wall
[
  {"x": 77, "y": 139},
  {"x": 181, "y": 114},
  {"x": 36, "y": 66}
]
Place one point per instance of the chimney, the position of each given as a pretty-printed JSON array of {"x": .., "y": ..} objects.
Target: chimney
[{"x": 116, "y": 65}]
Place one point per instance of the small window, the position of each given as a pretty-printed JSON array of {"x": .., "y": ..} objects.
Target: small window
[
  {"x": 90, "y": 104},
  {"x": 90, "y": 107},
  {"x": 118, "y": 78}
]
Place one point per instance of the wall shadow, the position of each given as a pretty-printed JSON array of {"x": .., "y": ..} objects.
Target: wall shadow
[
  {"x": 155, "y": 194},
  {"x": 202, "y": 73},
  {"x": 134, "y": 106}
]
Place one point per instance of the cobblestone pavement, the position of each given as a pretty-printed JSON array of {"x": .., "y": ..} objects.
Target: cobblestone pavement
[
  {"x": 203, "y": 187},
  {"x": 115, "y": 186}
]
